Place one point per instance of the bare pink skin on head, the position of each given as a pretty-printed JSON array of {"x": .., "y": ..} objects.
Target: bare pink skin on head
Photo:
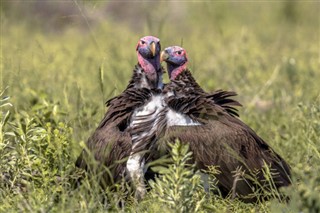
[
  {"x": 150, "y": 63},
  {"x": 148, "y": 52},
  {"x": 177, "y": 60}
]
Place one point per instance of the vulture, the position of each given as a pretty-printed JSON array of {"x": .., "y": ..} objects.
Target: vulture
[
  {"x": 216, "y": 136},
  {"x": 112, "y": 146}
]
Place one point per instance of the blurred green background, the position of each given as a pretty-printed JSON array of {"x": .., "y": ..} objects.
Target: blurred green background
[{"x": 61, "y": 60}]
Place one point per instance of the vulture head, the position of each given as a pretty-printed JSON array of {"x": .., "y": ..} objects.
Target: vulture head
[
  {"x": 148, "y": 51},
  {"x": 176, "y": 59}
]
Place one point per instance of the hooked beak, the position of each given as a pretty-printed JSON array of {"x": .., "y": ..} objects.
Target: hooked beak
[
  {"x": 153, "y": 49},
  {"x": 164, "y": 56}
]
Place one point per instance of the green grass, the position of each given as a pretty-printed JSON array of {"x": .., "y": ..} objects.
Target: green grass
[{"x": 58, "y": 70}]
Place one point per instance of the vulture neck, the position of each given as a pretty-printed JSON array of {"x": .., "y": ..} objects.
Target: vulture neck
[
  {"x": 146, "y": 79},
  {"x": 175, "y": 70},
  {"x": 152, "y": 72}
]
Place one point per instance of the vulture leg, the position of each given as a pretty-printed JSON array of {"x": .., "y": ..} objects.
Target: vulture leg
[
  {"x": 135, "y": 166},
  {"x": 205, "y": 181}
]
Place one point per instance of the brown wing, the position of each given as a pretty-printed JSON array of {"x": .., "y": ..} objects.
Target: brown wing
[
  {"x": 106, "y": 154},
  {"x": 222, "y": 139},
  {"x": 226, "y": 142},
  {"x": 110, "y": 144}
]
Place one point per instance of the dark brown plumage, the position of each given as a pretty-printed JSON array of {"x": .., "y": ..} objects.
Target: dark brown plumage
[
  {"x": 220, "y": 139},
  {"x": 110, "y": 145},
  {"x": 133, "y": 123}
]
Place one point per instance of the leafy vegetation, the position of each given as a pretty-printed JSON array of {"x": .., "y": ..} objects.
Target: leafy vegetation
[{"x": 59, "y": 66}]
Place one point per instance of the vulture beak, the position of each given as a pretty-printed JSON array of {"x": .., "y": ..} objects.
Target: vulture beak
[
  {"x": 153, "y": 49},
  {"x": 164, "y": 56}
]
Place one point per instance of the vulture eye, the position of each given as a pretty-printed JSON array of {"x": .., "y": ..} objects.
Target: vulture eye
[
  {"x": 179, "y": 52},
  {"x": 142, "y": 42}
]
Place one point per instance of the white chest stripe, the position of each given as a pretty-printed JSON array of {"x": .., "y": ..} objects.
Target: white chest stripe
[
  {"x": 155, "y": 103},
  {"x": 135, "y": 164},
  {"x": 178, "y": 119},
  {"x": 149, "y": 112}
]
